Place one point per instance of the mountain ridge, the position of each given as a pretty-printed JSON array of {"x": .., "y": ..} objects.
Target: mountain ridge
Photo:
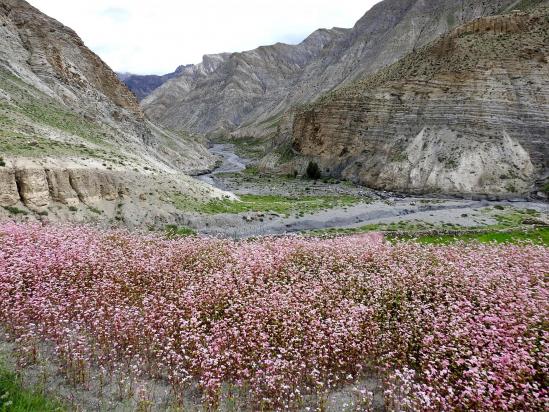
[
  {"x": 249, "y": 92},
  {"x": 467, "y": 113}
]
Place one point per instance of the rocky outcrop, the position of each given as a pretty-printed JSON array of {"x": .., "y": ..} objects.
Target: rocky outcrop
[
  {"x": 9, "y": 194},
  {"x": 56, "y": 190},
  {"x": 246, "y": 94},
  {"x": 37, "y": 187},
  {"x": 468, "y": 113},
  {"x": 61, "y": 187}
]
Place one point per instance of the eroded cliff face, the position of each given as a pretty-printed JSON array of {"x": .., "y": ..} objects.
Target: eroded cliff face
[
  {"x": 247, "y": 94},
  {"x": 63, "y": 190},
  {"x": 467, "y": 114}
]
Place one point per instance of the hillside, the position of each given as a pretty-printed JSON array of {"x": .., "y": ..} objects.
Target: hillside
[
  {"x": 469, "y": 113},
  {"x": 247, "y": 93},
  {"x": 72, "y": 136},
  {"x": 143, "y": 85}
]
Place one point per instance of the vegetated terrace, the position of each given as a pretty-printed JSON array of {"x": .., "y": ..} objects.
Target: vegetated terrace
[{"x": 453, "y": 327}]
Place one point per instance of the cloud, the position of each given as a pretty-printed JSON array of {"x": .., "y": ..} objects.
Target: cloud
[
  {"x": 116, "y": 14},
  {"x": 141, "y": 36}
]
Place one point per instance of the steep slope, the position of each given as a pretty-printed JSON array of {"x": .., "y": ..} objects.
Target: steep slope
[
  {"x": 248, "y": 92},
  {"x": 468, "y": 113},
  {"x": 143, "y": 85},
  {"x": 71, "y": 134}
]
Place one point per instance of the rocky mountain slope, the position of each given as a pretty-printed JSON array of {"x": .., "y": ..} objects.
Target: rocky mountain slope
[
  {"x": 469, "y": 113},
  {"x": 247, "y": 93},
  {"x": 71, "y": 134},
  {"x": 143, "y": 85}
]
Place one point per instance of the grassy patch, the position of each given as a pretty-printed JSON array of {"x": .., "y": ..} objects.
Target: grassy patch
[
  {"x": 403, "y": 226},
  {"x": 40, "y": 109},
  {"x": 510, "y": 217},
  {"x": 538, "y": 236},
  {"x": 30, "y": 146},
  {"x": 512, "y": 225},
  {"x": 95, "y": 210},
  {"x": 282, "y": 205},
  {"x": 173, "y": 231},
  {"x": 14, "y": 398}
]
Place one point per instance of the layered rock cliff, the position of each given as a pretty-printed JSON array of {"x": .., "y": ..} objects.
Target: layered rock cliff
[
  {"x": 469, "y": 113},
  {"x": 247, "y": 93}
]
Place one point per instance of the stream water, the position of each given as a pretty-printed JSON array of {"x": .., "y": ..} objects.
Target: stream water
[{"x": 231, "y": 162}]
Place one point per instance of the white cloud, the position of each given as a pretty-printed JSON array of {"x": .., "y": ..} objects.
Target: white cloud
[{"x": 143, "y": 36}]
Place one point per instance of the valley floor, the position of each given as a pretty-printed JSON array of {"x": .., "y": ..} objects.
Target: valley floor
[{"x": 364, "y": 210}]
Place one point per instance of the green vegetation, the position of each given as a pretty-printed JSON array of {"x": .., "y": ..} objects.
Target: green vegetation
[
  {"x": 282, "y": 205},
  {"x": 510, "y": 217},
  {"x": 19, "y": 144},
  {"x": 15, "y": 210},
  {"x": 538, "y": 236},
  {"x": 402, "y": 226},
  {"x": 94, "y": 210},
  {"x": 513, "y": 225},
  {"x": 285, "y": 152},
  {"x": 173, "y": 231},
  {"x": 62, "y": 119},
  {"x": 31, "y": 106},
  {"x": 313, "y": 171},
  {"x": 15, "y": 398},
  {"x": 2, "y": 162},
  {"x": 251, "y": 171}
]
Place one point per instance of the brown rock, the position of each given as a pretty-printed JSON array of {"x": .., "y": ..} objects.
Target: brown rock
[
  {"x": 9, "y": 195},
  {"x": 33, "y": 188}
]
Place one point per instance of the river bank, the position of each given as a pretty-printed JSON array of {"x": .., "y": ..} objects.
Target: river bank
[{"x": 371, "y": 208}]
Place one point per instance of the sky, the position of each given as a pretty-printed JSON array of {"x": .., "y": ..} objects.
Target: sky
[{"x": 154, "y": 37}]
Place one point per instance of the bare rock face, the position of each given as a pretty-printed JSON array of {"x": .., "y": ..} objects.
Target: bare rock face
[
  {"x": 9, "y": 195},
  {"x": 61, "y": 187},
  {"x": 93, "y": 186},
  {"x": 468, "y": 113},
  {"x": 33, "y": 188},
  {"x": 247, "y": 93}
]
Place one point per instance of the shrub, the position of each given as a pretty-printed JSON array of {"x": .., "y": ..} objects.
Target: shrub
[
  {"x": 173, "y": 231},
  {"x": 313, "y": 171},
  {"x": 95, "y": 210},
  {"x": 15, "y": 210}
]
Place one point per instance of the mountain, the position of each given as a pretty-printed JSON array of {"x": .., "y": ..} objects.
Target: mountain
[
  {"x": 247, "y": 93},
  {"x": 468, "y": 113},
  {"x": 72, "y": 136},
  {"x": 143, "y": 85}
]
